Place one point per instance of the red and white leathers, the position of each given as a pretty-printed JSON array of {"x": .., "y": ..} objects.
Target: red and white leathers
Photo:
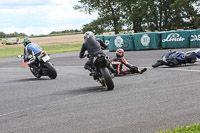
[{"x": 118, "y": 63}]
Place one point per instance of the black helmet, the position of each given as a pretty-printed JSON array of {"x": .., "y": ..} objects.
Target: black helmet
[{"x": 26, "y": 41}]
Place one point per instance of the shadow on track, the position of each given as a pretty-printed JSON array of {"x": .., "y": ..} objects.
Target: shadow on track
[
  {"x": 26, "y": 80},
  {"x": 81, "y": 91}
]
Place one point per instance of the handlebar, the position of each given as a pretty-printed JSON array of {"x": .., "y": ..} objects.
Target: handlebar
[
  {"x": 86, "y": 55},
  {"x": 19, "y": 56}
]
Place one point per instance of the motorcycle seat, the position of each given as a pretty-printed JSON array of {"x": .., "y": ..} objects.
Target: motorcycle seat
[{"x": 191, "y": 56}]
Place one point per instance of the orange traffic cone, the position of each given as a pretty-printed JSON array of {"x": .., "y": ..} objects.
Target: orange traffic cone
[{"x": 24, "y": 64}]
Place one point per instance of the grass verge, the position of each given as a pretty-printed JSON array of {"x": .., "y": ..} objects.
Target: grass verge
[
  {"x": 195, "y": 128},
  {"x": 14, "y": 51},
  {"x": 61, "y": 48}
]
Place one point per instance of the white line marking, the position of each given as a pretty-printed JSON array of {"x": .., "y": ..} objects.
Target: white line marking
[
  {"x": 8, "y": 68},
  {"x": 70, "y": 66},
  {"x": 144, "y": 67},
  {"x": 186, "y": 70},
  {"x": 173, "y": 69}
]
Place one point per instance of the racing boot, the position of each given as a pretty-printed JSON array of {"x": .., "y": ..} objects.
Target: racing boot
[{"x": 143, "y": 70}]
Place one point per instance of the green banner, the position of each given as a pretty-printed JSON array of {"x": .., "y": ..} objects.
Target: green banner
[
  {"x": 175, "y": 39},
  {"x": 107, "y": 40},
  {"x": 124, "y": 41},
  {"x": 147, "y": 40},
  {"x": 101, "y": 37},
  {"x": 195, "y": 38}
]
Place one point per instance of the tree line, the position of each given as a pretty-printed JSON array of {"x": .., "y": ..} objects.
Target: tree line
[
  {"x": 15, "y": 34},
  {"x": 141, "y": 15},
  {"x": 66, "y": 31}
]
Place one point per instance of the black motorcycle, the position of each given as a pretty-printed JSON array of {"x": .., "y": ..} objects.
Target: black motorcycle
[
  {"x": 103, "y": 74},
  {"x": 42, "y": 67}
]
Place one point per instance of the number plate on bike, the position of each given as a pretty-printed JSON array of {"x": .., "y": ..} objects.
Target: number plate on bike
[{"x": 46, "y": 58}]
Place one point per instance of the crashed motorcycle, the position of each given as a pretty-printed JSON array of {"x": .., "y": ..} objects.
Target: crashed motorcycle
[
  {"x": 176, "y": 58},
  {"x": 42, "y": 66},
  {"x": 103, "y": 74}
]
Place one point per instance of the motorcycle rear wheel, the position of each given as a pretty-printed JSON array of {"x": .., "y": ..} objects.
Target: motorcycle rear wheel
[
  {"x": 52, "y": 72},
  {"x": 108, "y": 82}
]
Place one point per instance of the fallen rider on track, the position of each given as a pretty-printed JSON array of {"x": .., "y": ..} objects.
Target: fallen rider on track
[{"x": 119, "y": 61}]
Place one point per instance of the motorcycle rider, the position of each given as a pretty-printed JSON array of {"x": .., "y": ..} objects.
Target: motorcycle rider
[
  {"x": 31, "y": 51},
  {"x": 118, "y": 63},
  {"x": 93, "y": 47}
]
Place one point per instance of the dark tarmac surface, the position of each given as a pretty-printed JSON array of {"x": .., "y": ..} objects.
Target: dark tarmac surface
[{"x": 160, "y": 98}]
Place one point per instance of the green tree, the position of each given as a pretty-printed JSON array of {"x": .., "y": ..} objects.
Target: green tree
[
  {"x": 133, "y": 14},
  {"x": 108, "y": 10},
  {"x": 96, "y": 26},
  {"x": 15, "y": 34},
  {"x": 158, "y": 14},
  {"x": 166, "y": 22},
  {"x": 140, "y": 15},
  {"x": 2, "y": 35},
  {"x": 197, "y": 22},
  {"x": 185, "y": 14}
]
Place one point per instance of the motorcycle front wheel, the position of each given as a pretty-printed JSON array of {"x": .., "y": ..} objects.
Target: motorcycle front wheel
[
  {"x": 35, "y": 73},
  {"x": 108, "y": 82},
  {"x": 157, "y": 64}
]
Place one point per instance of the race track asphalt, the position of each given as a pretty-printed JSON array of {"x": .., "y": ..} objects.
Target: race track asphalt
[{"x": 160, "y": 98}]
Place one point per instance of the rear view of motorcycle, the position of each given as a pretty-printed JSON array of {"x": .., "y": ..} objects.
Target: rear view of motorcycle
[
  {"x": 42, "y": 66},
  {"x": 175, "y": 58},
  {"x": 102, "y": 70}
]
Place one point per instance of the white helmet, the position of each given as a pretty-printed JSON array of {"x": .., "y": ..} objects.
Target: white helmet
[{"x": 88, "y": 34}]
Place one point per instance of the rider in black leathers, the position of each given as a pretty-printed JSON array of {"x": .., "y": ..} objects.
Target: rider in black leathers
[{"x": 94, "y": 47}]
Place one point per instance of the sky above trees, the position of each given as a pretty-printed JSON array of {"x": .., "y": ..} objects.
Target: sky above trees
[{"x": 41, "y": 16}]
